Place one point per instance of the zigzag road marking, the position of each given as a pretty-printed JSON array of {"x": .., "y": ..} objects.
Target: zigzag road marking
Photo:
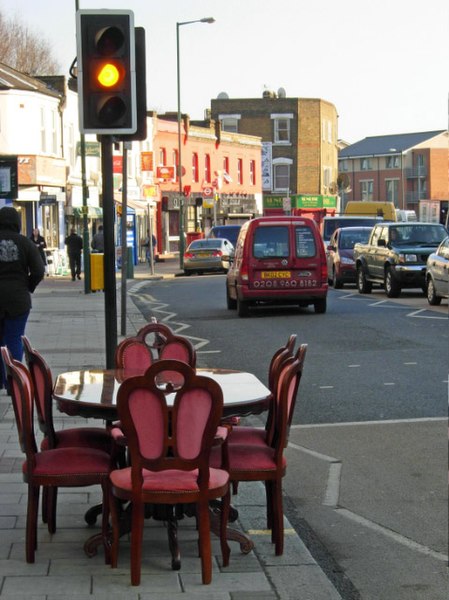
[{"x": 168, "y": 317}]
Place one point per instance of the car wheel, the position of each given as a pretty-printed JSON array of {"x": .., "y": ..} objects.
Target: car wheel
[
  {"x": 320, "y": 305},
  {"x": 242, "y": 308},
  {"x": 363, "y": 286},
  {"x": 432, "y": 297},
  {"x": 336, "y": 281},
  {"x": 392, "y": 288},
  {"x": 230, "y": 302}
]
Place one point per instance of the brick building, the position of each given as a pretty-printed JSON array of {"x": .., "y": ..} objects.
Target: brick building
[
  {"x": 299, "y": 145},
  {"x": 410, "y": 170}
]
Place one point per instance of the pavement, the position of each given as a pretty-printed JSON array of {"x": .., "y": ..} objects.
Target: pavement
[{"x": 67, "y": 326}]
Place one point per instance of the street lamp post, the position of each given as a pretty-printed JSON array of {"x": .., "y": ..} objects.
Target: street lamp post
[{"x": 179, "y": 165}]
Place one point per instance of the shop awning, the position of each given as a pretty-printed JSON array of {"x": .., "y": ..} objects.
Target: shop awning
[
  {"x": 140, "y": 206},
  {"x": 93, "y": 212}
]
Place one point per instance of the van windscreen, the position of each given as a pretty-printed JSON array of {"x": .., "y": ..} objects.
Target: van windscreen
[{"x": 271, "y": 242}]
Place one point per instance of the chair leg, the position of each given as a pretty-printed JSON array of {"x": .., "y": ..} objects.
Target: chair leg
[
  {"x": 224, "y": 516},
  {"x": 52, "y": 499},
  {"x": 269, "y": 498},
  {"x": 136, "y": 541},
  {"x": 45, "y": 505},
  {"x": 31, "y": 526},
  {"x": 105, "y": 523},
  {"x": 115, "y": 522},
  {"x": 235, "y": 488},
  {"x": 278, "y": 517},
  {"x": 204, "y": 538}
]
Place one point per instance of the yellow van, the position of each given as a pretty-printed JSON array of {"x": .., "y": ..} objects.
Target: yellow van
[{"x": 374, "y": 209}]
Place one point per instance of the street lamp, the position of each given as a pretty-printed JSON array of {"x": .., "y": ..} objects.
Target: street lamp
[{"x": 179, "y": 165}]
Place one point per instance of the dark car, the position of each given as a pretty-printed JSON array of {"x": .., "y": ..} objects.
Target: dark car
[
  {"x": 437, "y": 273},
  {"x": 340, "y": 254},
  {"x": 208, "y": 255},
  {"x": 330, "y": 224},
  {"x": 229, "y": 232}
]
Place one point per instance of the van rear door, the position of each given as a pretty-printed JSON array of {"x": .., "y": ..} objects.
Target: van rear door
[{"x": 284, "y": 256}]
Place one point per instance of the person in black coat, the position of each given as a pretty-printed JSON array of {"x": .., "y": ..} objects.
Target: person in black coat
[
  {"x": 40, "y": 243},
  {"x": 74, "y": 243},
  {"x": 21, "y": 270}
]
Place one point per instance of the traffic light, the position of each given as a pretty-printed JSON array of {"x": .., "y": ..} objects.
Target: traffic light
[{"x": 106, "y": 71}]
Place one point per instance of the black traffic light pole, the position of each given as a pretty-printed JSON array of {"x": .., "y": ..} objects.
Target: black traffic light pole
[{"x": 110, "y": 292}]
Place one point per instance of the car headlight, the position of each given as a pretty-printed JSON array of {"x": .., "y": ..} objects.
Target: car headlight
[
  {"x": 346, "y": 261},
  {"x": 407, "y": 258}
]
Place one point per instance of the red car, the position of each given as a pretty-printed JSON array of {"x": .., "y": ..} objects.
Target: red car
[{"x": 340, "y": 254}]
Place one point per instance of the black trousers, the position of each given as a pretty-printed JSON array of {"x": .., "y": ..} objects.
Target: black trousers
[{"x": 75, "y": 264}]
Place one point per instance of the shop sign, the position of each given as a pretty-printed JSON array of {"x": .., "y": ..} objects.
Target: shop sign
[
  {"x": 90, "y": 148},
  {"x": 146, "y": 161},
  {"x": 165, "y": 173},
  {"x": 149, "y": 191},
  {"x": 117, "y": 164},
  {"x": 8, "y": 177},
  {"x": 41, "y": 170}
]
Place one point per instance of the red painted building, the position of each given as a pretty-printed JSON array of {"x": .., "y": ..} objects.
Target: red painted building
[{"x": 221, "y": 178}]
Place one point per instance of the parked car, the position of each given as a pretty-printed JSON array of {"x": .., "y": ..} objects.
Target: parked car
[
  {"x": 278, "y": 260},
  {"x": 437, "y": 273},
  {"x": 208, "y": 255},
  {"x": 330, "y": 224},
  {"x": 340, "y": 254},
  {"x": 229, "y": 232}
]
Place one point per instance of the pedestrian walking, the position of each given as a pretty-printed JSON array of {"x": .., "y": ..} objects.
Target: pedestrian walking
[
  {"x": 146, "y": 245},
  {"x": 97, "y": 243},
  {"x": 40, "y": 243},
  {"x": 74, "y": 243},
  {"x": 21, "y": 270}
]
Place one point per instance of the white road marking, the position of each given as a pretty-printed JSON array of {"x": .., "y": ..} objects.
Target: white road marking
[
  {"x": 389, "y": 383},
  {"x": 353, "y": 366},
  {"x": 326, "y": 387},
  {"x": 417, "y": 315}
]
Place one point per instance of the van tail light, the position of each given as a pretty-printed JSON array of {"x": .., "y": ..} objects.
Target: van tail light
[
  {"x": 244, "y": 273},
  {"x": 324, "y": 272}
]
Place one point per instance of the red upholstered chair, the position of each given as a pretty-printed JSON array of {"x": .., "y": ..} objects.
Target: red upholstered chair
[
  {"x": 169, "y": 448},
  {"x": 78, "y": 437},
  {"x": 266, "y": 462},
  {"x": 132, "y": 354},
  {"x": 257, "y": 435},
  {"x": 164, "y": 343},
  {"x": 58, "y": 467}
]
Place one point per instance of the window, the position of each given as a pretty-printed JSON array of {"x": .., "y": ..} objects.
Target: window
[
  {"x": 54, "y": 133},
  {"x": 195, "y": 175},
  {"x": 281, "y": 177},
  {"x": 344, "y": 165},
  {"x": 392, "y": 190},
  {"x": 229, "y": 122},
  {"x": 305, "y": 242},
  {"x": 366, "y": 189},
  {"x": 365, "y": 164},
  {"x": 392, "y": 162},
  {"x": 252, "y": 172},
  {"x": 327, "y": 176},
  {"x": 174, "y": 158},
  {"x": 281, "y": 130},
  {"x": 271, "y": 242},
  {"x": 239, "y": 171},
  {"x": 226, "y": 164},
  {"x": 162, "y": 157},
  {"x": 207, "y": 168},
  {"x": 43, "y": 136}
]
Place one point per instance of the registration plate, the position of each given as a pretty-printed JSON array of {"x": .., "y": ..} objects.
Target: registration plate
[{"x": 275, "y": 275}]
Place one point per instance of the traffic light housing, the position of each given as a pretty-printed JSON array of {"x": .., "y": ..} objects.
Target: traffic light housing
[{"x": 106, "y": 71}]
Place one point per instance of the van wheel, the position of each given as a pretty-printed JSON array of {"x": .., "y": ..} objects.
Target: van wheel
[
  {"x": 230, "y": 302},
  {"x": 363, "y": 286},
  {"x": 320, "y": 305},
  {"x": 242, "y": 308},
  {"x": 392, "y": 288}
]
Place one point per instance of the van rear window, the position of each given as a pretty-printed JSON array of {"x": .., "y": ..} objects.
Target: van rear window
[
  {"x": 271, "y": 242},
  {"x": 305, "y": 242}
]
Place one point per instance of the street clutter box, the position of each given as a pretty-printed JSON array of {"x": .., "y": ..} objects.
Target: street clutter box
[{"x": 97, "y": 271}]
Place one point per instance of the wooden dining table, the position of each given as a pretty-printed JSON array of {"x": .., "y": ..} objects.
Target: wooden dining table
[{"x": 92, "y": 393}]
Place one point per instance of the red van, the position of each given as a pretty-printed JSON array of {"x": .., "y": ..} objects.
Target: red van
[{"x": 278, "y": 260}]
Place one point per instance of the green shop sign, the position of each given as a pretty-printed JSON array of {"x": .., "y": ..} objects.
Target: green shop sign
[{"x": 301, "y": 201}]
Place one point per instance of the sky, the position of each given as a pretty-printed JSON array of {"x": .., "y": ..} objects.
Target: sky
[{"x": 382, "y": 63}]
